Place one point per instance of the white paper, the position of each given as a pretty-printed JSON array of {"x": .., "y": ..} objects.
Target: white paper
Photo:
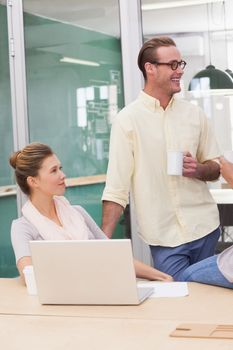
[{"x": 166, "y": 289}]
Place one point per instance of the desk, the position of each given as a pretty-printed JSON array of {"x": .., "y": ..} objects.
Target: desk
[
  {"x": 206, "y": 303},
  {"x": 67, "y": 333},
  {"x": 222, "y": 196},
  {"x": 24, "y": 323}
]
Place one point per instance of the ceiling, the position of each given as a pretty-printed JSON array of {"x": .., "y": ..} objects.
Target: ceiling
[{"x": 103, "y": 15}]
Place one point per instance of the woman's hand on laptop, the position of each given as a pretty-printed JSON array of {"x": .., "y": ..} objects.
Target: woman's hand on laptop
[
  {"x": 150, "y": 273},
  {"x": 161, "y": 276}
]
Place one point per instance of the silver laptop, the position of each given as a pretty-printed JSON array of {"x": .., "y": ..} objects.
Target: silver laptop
[{"x": 86, "y": 272}]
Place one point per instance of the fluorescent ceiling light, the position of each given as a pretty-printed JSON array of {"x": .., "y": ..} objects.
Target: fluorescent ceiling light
[
  {"x": 171, "y": 4},
  {"x": 78, "y": 61}
]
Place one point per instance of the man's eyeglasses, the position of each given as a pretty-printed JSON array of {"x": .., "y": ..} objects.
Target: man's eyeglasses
[{"x": 173, "y": 64}]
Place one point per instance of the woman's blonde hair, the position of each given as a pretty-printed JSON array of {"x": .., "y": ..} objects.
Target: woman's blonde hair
[{"x": 27, "y": 162}]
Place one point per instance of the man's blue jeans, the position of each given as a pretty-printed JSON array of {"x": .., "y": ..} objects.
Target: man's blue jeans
[
  {"x": 174, "y": 260},
  {"x": 206, "y": 271}
]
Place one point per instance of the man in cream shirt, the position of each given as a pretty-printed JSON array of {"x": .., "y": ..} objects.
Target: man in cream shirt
[{"x": 176, "y": 215}]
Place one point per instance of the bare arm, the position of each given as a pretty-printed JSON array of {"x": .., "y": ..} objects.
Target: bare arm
[
  {"x": 25, "y": 261},
  {"x": 145, "y": 271},
  {"x": 227, "y": 170},
  {"x": 111, "y": 214},
  {"x": 208, "y": 171}
]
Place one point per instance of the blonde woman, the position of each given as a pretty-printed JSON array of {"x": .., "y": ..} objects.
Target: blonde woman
[{"x": 48, "y": 215}]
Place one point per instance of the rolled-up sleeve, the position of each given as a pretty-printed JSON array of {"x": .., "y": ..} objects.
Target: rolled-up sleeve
[{"x": 121, "y": 164}]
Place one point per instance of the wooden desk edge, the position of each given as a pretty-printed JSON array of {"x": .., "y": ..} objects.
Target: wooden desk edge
[{"x": 10, "y": 190}]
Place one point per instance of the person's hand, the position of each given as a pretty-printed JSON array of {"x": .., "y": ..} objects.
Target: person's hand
[
  {"x": 190, "y": 165},
  {"x": 226, "y": 169},
  {"x": 168, "y": 278},
  {"x": 162, "y": 276}
]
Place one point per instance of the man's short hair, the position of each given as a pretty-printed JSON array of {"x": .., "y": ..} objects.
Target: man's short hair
[{"x": 148, "y": 51}]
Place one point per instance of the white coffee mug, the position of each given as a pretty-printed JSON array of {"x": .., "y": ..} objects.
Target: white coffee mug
[
  {"x": 30, "y": 280},
  {"x": 175, "y": 162}
]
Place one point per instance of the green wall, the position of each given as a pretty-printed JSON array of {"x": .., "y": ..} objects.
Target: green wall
[
  {"x": 54, "y": 110},
  {"x": 8, "y": 212},
  {"x": 53, "y": 105},
  {"x": 52, "y": 91}
]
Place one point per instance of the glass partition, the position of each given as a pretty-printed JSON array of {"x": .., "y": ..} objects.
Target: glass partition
[
  {"x": 8, "y": 210},
  {"x": 74, "y": 84}
]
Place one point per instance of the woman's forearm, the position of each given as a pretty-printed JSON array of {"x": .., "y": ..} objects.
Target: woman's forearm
[{"x": 148, "y": 272}]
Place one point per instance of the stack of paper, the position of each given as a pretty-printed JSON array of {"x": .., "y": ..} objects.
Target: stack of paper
[{"x": 166, "y": 289}]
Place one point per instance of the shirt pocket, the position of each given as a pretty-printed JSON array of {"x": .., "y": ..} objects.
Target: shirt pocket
[{"x": 188, "y": 138}]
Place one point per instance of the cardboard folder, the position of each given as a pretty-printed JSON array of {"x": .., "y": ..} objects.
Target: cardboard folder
[{"x": 198, "y": 330}]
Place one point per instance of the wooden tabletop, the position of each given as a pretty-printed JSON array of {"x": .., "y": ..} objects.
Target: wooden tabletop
[
  {"x": 74, "y": 333},
  {"x": 204, "y": 303},
  {"x": 25, "y": 324}
]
